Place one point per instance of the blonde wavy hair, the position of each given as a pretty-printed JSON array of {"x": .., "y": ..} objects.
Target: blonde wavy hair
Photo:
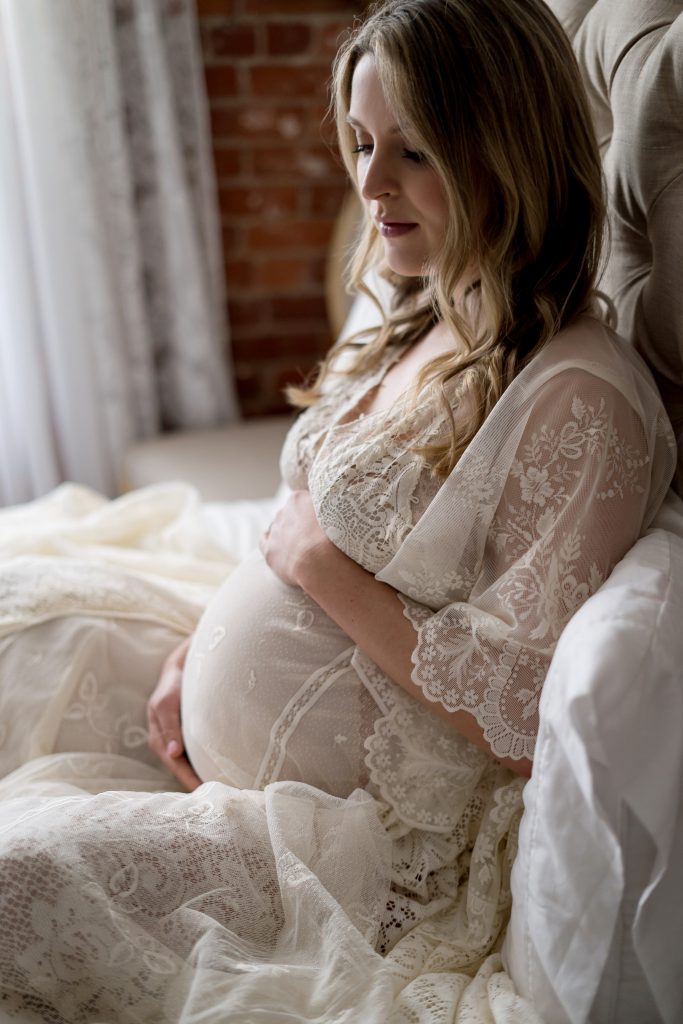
[{"x": 491, "y": 94}]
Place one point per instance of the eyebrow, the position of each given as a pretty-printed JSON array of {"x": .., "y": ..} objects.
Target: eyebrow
[{"x": 394, "y": 130}]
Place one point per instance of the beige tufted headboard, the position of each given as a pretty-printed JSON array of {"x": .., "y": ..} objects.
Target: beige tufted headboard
[{"x": 631, "y": 56}]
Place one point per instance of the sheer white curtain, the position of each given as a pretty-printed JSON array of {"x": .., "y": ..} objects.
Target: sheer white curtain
[{"x": 111, "y": 298}]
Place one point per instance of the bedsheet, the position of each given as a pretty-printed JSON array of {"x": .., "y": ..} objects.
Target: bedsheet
[{"x": 140, "y": 903}]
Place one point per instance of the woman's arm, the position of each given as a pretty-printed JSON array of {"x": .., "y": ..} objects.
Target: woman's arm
[
  {"x": 570, "y": 495},
  {"x": 370, "y": 612}
]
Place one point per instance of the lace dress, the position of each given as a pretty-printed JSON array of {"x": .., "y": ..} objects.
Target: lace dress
[{"x": 348, "y": 857}]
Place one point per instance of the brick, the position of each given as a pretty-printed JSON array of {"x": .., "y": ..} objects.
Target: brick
[
  {"x": 286, "y": 273},
  {"x": 278, "y": 346},
  {"x": 269, "y": 405},
  {"x": 264, "y": 121},
  {"x": 228, "y": 162},
  {"x": 327, "y": 129},
  {"x": 245, "y": 313},
  {"x": 221, "y": 80},
  {"x": 285, "y": 329},
  {"x": 247, "y": 383},
  {"x": 215, "y": 8},
  {"x": 256, "y": 407},
  {"x": 331, "y": 35},
  {"x": 326, "y": 200},
  {"x": 230, "y": 40},
  {"x": 232, "y": 239},
  {"x": 220, "y": 123},
  {"x": 301, "y": 6},
  {"x": 250, "y": 410},
  {"x": 271, "y": 202},
  {"x": 318, "y": 270},
  {"x": 301, "y": 161},
  {"x": 299, "y": 307},
  {"x": 238, "y": 273},
  {"x": 284, "y": 80},
  {"x": 288, "y": 38},
  {"x": 290, "y": 235}
]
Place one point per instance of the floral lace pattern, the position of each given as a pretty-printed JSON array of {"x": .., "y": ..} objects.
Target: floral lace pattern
[
  {"x": 540, "y": 516},
  {"x": 568, "y": 510},
  {"x": 367, "y": 506},
  {"x": 85, "y": 588},
  {"x": 122, "y": 902},
  {"x": 426, "y": 771}
]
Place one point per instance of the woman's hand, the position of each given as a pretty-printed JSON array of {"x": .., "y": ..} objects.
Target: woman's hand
[
  {"x": 163, "y": 719},
  {"x": 295, "y": 541}
]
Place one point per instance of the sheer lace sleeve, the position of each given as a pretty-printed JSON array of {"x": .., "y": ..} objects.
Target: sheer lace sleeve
[{"x": 571, "y": 505}]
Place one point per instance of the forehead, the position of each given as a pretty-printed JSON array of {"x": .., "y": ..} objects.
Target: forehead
[{"x": 368, "y": 102}]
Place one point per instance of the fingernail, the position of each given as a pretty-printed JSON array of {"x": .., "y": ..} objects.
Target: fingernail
[{"x": 173, "y": 748}]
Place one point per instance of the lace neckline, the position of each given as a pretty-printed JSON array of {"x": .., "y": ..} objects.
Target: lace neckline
[{"x": 354, "y": 413}]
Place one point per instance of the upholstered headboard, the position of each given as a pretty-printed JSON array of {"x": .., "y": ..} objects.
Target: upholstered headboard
[{"x": 631, "y": 56}]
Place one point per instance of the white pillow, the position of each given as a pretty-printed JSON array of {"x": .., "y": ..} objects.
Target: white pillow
[
  {"x": 596, "y": 931},
  {"x": 236, "y": 526}
]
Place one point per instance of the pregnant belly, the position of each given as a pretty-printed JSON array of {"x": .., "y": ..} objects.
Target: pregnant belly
[{"x": 269, "y": 691}]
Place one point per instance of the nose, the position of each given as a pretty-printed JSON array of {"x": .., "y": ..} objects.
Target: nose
[{"x": 376, "y": 178}]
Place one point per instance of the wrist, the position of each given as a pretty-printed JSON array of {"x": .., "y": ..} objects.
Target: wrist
[{"x": 316, "y": 570}]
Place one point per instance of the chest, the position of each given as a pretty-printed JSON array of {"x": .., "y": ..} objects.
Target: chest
[
  {"x": 368, "y": 484},
  {"x": 401, "y": 376}
]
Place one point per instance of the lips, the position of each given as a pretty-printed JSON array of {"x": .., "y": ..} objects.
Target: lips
[{"x": 393, "y": 229}]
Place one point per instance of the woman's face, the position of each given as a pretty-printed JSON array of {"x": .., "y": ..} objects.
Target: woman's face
[{"x": 402, "y": 191}]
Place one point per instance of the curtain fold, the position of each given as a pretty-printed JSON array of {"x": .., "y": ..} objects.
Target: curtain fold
[{"x": 112, "y": 309}]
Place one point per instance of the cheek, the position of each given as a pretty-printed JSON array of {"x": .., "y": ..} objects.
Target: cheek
[{"x": 434, "y": 203}]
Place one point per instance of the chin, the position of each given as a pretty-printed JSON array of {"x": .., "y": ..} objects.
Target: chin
[
  {"x": 404, "y": 267},
  {"x": 405, "y": 263}
]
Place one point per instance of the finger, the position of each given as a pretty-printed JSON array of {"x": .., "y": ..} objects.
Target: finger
[
  {"x": 159, "y": 741},
  {"x": 155, "y": 740},
  {"x": 168, "y": 717},
  {"x": 184, "y": 772}
]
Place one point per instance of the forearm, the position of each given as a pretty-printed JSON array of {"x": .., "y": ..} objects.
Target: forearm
[{"x": 371, "y": 613}]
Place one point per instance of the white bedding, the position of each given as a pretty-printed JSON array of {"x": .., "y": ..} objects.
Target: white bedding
[
  {"x": 147, "y": 904},
  {"x": 597, "y": 924},
  {"x": 610, "y": 742}
]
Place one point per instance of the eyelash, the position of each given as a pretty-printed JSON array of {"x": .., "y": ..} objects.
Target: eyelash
[{"x": 409, "y": 154}]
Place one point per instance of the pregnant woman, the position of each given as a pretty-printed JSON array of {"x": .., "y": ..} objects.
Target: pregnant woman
[{"x": 355, "y": 712}]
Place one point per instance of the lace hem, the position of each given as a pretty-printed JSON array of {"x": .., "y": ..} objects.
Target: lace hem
[
  {"x": 425, "y": 770},
  {"x": 419, "y": 767},
  {"x": 483, "y": 679}
]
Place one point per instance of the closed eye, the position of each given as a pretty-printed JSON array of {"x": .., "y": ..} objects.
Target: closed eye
[
  {"x": 408, "y": 154},
  {"x": 413, "y": 155}
]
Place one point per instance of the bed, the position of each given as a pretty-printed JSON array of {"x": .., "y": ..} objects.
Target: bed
[
  {"x": 596, "y": 933},
  {"x": 597, "y": 918},
  {"x": 604, "y": 943}
]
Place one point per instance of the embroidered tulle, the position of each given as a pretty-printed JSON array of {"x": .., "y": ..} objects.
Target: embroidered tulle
[{"x": 380, "y": 895}]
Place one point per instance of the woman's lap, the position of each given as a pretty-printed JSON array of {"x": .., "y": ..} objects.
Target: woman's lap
[{"x": 79, "y": 683}]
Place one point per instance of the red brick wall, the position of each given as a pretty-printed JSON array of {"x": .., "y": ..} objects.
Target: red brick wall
[{"x": 267, "y": 66}]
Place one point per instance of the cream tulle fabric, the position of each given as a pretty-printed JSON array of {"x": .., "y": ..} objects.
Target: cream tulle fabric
[{"x": 349, "y": 858}]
